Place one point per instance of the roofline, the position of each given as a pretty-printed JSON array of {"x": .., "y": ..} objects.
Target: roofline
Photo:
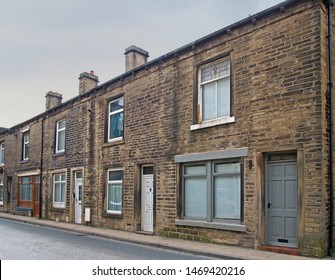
[
  {"x": 166, "y": 56},
  {"x": 192, "y": 45}
]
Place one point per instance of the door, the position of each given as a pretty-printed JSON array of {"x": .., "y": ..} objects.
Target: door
[
  {"x": 78, "y": 197},
  {"x": 282, "y": 203},
  {"x": 147, "y": 219}
]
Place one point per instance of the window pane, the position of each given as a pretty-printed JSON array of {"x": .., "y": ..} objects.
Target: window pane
[
  {"x": 115, "y": 175},
  {"x": 208, "y": 101},
  {"x": 61, "y": 140},
  {"x": 227, "y": 168},
  {"x": 61, "y": 124},
  {"x": 227, "y": 197},
  {"x": 148, "y": 170},
  {"x": 79, "y": 175},
  {"x": 114, "y": 197},
  {"x": 116, "y": 125},
  {"x": 195, "y": 198},
  {"x": 117, "y": 105},
  {"x": 223, "y": 97},
  {"x": 195, "y": 170}
]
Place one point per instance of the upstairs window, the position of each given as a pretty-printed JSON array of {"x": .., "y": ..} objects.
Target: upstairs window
[
  {"x": 25, "y": 145},
  {"x": 60, "y": 136},
  {"x": 214, "y": 95},
  {"x": 2, "y": 153},
  {"x": 115, "y": 119}
]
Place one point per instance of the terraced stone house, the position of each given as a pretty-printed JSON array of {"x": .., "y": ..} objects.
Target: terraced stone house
[{"x": 228, "y": 140}]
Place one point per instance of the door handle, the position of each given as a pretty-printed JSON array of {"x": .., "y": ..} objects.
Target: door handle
[{"x": 269, "y": 204}]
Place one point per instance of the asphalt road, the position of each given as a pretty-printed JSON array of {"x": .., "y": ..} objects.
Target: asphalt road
[{"x": 20, "y": 241}]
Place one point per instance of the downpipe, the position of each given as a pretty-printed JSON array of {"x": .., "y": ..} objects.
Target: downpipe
[{"x": 331, "y": 124}]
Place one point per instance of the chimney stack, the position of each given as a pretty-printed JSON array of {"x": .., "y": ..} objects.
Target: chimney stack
[
  {"x": 87, "y": 81},
  {"x": 53, "y": 99},
  {"x": 135, "y": 57}
]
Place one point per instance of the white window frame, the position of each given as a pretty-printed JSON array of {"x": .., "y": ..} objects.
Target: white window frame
[
  {"x": 59, "y": 184},
  {"x": 109, "y": 119},
  {"x": 2, "y": 154},
  {"x": 58, "y": 131},
  {"x": 1, "y": 191},
  {"x": 217, "y": 120},
  {"x": 26, "y": 144},
  {"x": 120, "y": 182}
]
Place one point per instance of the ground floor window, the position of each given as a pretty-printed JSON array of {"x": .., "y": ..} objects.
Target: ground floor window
[
  {"x": 212, "y": 191},
  {"x": 28, "y": 190},
  {"x": 114, "y": 191},
  {"x": 1, "y": 192},
  {"x": 59, "y": 190}
]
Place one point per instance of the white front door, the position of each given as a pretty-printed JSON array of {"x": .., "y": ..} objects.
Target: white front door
[
  {"x": 78, "y": 197},
  {"x": 147, "y": 223}
]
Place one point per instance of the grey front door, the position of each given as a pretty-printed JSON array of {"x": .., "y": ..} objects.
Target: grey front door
[{"x": 282, "y": 203}]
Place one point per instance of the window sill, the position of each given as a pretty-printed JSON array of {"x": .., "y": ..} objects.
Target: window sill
[
  {"x": 211, "y": 123},
  {"x": 113, "y": 216},
  {"x": 212, "y": 225},
  {"x": 24, "y": 161},
  {"x": 114, "y": 143},
  {"x": 59, "y": 154},
  {"x": 58, "y": 209}
]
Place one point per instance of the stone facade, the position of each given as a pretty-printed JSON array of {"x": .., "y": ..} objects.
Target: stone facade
[{"x": 278, "y": 114}]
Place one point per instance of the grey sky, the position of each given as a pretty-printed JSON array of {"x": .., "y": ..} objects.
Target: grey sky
[{"x": 46, "y": 44}]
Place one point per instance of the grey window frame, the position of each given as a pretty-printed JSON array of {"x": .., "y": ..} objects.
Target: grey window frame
[{"x": 210, "y": 175}]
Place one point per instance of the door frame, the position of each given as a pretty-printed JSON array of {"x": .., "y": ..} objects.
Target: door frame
[
  {"x": 72, "y": 192},
  {"x": 143, "y": 176},
  {"x": 266, "y": 189}
]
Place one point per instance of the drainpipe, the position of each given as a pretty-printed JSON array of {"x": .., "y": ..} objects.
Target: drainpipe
[
  {"x": 41, "y": 168},
  {"x": 331, "y": 134}
]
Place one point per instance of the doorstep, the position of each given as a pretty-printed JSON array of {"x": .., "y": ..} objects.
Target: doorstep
[{"x": 279, "y": 249}]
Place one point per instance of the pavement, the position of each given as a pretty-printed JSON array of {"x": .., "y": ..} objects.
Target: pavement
[{"x": 194, "y": 247}]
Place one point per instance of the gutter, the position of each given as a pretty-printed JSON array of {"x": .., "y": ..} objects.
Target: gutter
[{"x": 331, "y": 134}]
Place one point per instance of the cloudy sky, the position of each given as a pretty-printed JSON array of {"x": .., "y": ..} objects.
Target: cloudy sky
[{"x": 46, "y": 44}]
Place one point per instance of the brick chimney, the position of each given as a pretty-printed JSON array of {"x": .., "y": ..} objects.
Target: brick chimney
[
  {"x": 87, "y": 81},
  {"x": 135, "y": 57},
  {"x": 53, "y": 99}
]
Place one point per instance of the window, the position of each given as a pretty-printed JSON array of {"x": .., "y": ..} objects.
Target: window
[
  {"x": 25, "y": 189},
  {"x": 2, "y": 153},
  {"x": 212, "y": 191},
  {"x": 25, "y": 146},
  {"x": 116, "y": 120},
  {"x": 60, "y": 136},
  {"x": 1, "y": 192},
  {"x": 214, "y": 94},
  {"x": 59, "y": 183},
  {"x": 28, "y": 190},
  {"x": 114, "y": 191}
]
